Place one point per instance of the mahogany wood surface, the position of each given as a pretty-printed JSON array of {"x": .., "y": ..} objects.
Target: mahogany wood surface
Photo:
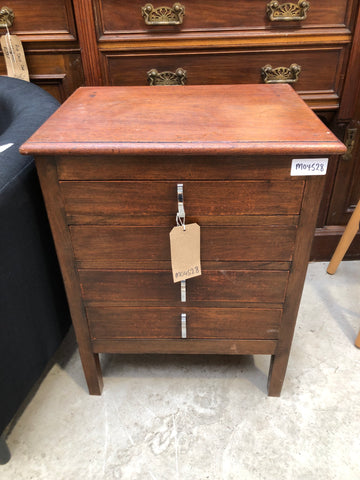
[
  {"x": 112, "y": 232},
  {"x": 201, "y": 15},
  {"x": 249, "y": 119}
]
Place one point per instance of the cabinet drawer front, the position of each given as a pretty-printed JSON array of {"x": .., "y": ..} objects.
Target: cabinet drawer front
[
  {"x": 126, "y": 17},
  {"x": 106, "y": 202},
  {"x": 116, "y": 287},
  {"x": 150, "y": 322},
  {"x": 320, "y": 67},
  {"x": 57, "y": 73},
  {"x": 37, "y": 21},
  {"x": 171, "y": 168},
  {"x": 118, "y": 247}
]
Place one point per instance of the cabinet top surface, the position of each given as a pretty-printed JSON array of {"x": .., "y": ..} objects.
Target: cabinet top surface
[{"x": 211, "y": 119}]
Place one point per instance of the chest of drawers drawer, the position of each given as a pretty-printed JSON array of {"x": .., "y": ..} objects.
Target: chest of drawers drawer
[
  {"x": 314, "y": 72},
  {"x": 116, "y": 202},
  {"x": 38, "y": 24},
  {"x": 198, "y": 16},
  {"x": 125, "y": 246},
  {"x": 155, "y": 287},
  {"x": 202, "y": 323}
]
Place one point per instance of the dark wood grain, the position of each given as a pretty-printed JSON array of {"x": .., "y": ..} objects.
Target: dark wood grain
[
  {"x": 126, "y": 17},
  {"x": 188, "y": 346},
  {"x": 114, "y": 247},
  {"x": 44, "y": 20},
  {"x": 88, "y": 43},
  {"x": 237, "y": 66},
  {"x": 87, "y": 200},
  {"x": 46, "y": 169},
  {"x": 116, "y": 287},
  {"x": 312, "y": 197},
  {"x": 236, "y": 323},
  {"x": 176, "y": 167}
]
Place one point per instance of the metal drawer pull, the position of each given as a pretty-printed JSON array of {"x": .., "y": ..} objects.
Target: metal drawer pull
[
  {"x": 183, "y": 290},
  {"x": 180, "y": 221},
  {"x": 287, "y": 11},
  {"x": 281, "y": 74},
  {"x": 183, "y": 325},
  {"x": 167, "y": 78},
  {"x": 6, "y": 17},
  {"x": 163, "y": 15},
  {"x": 180, "y": 216}
]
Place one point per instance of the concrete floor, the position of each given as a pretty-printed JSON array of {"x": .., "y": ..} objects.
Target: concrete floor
[{"x": 200, "y": 418}]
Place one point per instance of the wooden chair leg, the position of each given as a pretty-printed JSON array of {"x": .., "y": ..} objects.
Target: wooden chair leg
[
  {"x": 345, "y": 241},
  {"x": 357, "y": 341}
]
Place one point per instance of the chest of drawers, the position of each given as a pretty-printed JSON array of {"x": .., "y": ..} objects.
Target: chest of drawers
[{"x": 110, "y": 188}]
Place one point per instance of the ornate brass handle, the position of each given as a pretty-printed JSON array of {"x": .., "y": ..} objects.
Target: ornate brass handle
[
  {"x": 163, "y": 15},
  {"x": 167, "y": 78},
  {"x": 6, "y": 17},
  {"x": 281, "y": 74},
  {"x": 349, "y": 141},
  {"x": 287, "y": 11}
]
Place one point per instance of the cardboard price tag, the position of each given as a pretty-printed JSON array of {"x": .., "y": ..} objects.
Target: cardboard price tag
[
  {"x": 185, "y": 252},
  {"x": 14, "y": 57}
]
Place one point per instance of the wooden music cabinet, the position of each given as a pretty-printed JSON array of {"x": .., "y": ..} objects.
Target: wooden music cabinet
[{"x": 110, "y": 161}]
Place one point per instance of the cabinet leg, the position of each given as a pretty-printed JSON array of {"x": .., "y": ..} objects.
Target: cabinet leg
[
  {"x": 277, "y": 372},
  {"x": 357, "y": 341},
  {"x": 92, "y": 370}
]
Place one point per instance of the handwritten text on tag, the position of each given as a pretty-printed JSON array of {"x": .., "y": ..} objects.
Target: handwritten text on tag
[
  {"x": 308, "y": 166},
  {"x": 185, "y": 252}
]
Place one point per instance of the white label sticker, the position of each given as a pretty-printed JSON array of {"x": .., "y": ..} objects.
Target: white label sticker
[{"x": 308, "y": 166}]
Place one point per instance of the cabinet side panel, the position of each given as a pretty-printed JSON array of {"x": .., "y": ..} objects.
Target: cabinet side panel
[{"x": 46, "y": 168}]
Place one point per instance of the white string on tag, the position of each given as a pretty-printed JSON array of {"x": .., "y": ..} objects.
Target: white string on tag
[
  {"x": 180, "y": 221},
  {"x": 12, "y": 56}
]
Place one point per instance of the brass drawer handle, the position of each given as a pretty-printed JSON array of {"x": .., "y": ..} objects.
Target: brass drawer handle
[
  {"x": 281, "y": 74},
  {"x": 287, "y": 11},
  {"x": 6, "y": 17},
  {"x": 163, "y": 15},
  {"x": 349, "y": 141},
  {"x": 167, "y": 78}
]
